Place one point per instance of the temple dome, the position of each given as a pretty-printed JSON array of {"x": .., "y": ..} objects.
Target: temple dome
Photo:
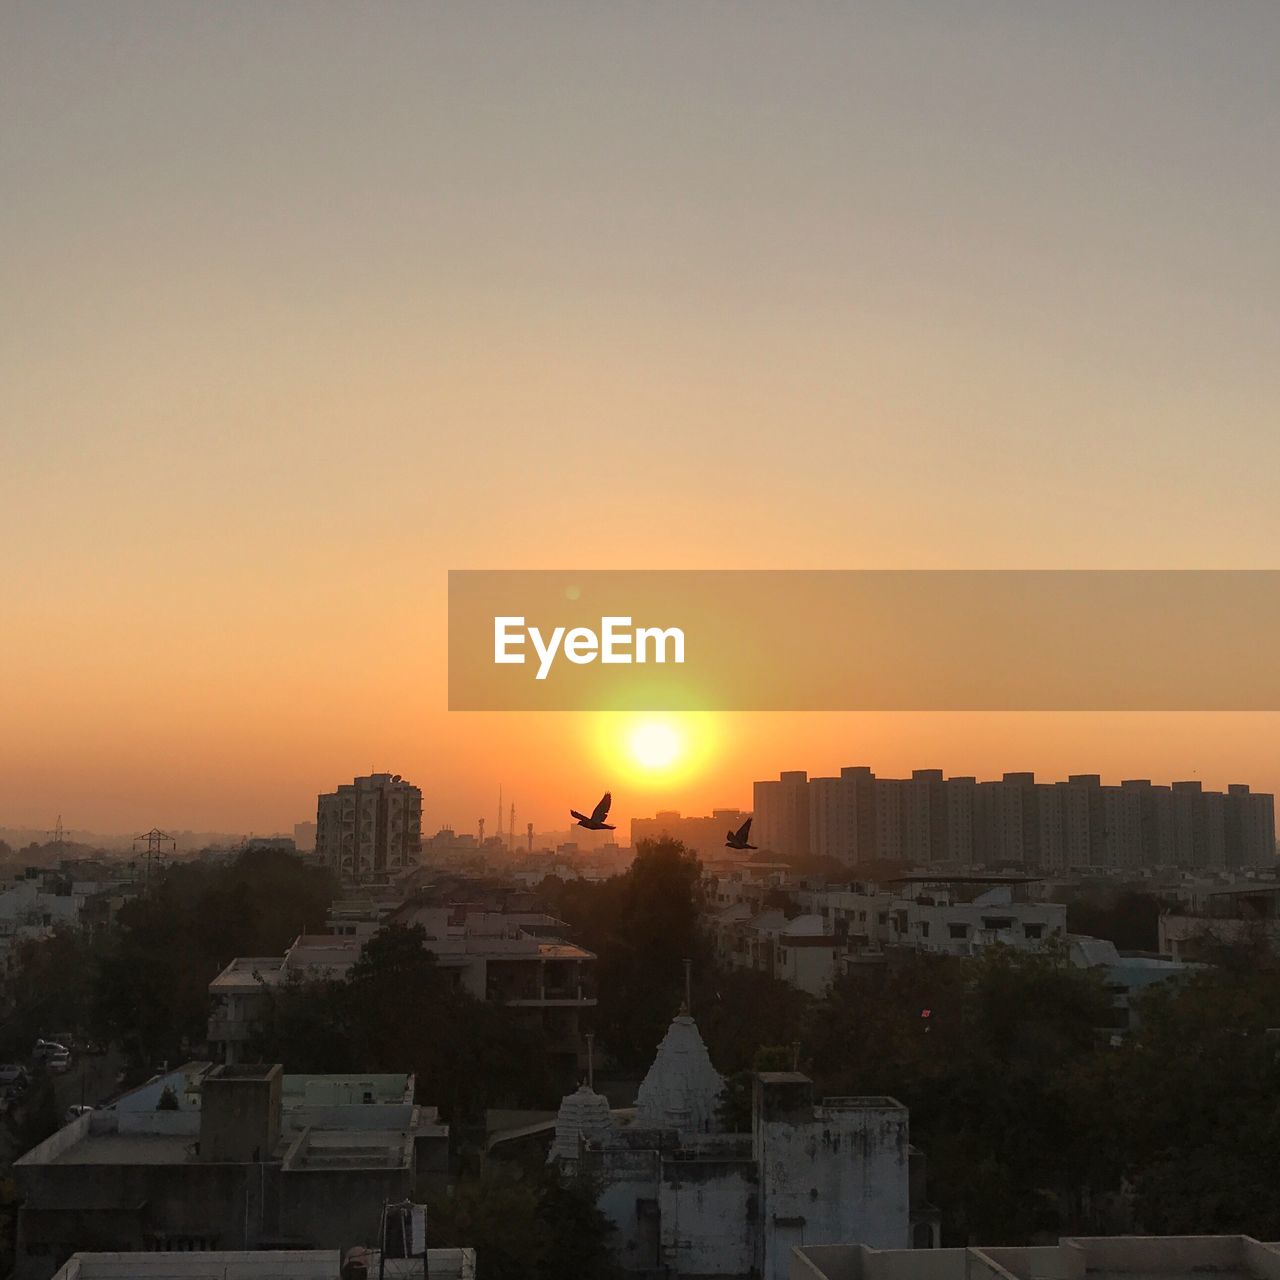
[
  {"x": 682, "y": 1090},
  {"x": 583, "y": 1114}
]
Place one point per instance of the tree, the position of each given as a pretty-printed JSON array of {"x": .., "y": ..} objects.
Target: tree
[
  {"x": 641, "y": 925},
  {"x": 546, "y": 1227}
]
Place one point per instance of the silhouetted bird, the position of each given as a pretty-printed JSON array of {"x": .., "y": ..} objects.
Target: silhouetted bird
[
  {"x": 738, "y": 839},
  {"x": 598, "y": 815}
]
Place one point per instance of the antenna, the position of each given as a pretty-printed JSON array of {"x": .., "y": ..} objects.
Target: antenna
[
  {"x": 511, "y": 831},
  {"x": 57, "y": 835},
  {"x": 688, "y": 987}
]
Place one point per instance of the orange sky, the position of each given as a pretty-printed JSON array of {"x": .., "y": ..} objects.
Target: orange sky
[{"x": 306, "y": 305}]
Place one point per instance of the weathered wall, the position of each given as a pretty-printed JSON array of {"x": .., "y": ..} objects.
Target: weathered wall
[
  {"x": 709, "y": 1217},
  {"x": 840, "y": 1177}
]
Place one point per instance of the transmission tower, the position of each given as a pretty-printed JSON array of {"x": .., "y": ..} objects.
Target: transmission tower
[{"x": 156, "y": 842}]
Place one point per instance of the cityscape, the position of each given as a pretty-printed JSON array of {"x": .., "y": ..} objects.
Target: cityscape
[{"x": 636, "y": 640}]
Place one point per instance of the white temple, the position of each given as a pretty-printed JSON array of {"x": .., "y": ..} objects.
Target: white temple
[
  {"x": 583, "y": 1114},
  {"x": 682, "y": 1090}
]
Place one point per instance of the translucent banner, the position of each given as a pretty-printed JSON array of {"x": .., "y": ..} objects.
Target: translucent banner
[{"x": 864, "y": 640}]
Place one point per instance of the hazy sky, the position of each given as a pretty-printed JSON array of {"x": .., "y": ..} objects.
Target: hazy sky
[{"x": 306, "y": 303}]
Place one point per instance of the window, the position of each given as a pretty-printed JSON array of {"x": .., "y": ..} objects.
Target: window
[
  {"x": 958, "y": 930},
  {"x": 1033, "y": 930}
]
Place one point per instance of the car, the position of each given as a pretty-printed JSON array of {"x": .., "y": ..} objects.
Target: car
[
  {"x": 14, "y": 1077},
  {"x": 46, "y": 1049},
  {"x": 76, "y": 1111},
  {"x": 59, "y": 1062}
]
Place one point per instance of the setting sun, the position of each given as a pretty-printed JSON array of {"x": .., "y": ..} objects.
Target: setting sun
[
  {"x": 655, "y": 744},
  {"x": 656, "y": 750}
]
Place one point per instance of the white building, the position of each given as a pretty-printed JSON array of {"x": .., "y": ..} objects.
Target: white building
[{"x": 688, "y": 1199}]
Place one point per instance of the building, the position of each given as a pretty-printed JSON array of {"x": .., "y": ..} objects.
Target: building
[
  {"x": 705, "y": 836},
  {"x": 268, "y": 1264},
  {"x": 1242, "y": 914},
  {"x": 239, "y": 1157},
  {"x": 781, "y": 809},
  {"x": 688, "y": 1199},
  {"x": 804, "y": 951},
  {"x": 238, "y": 995},
  {"x": 370, "y": 830},
  {"x": 1099, "y": 1258},
  {"x": 1015, "y": 822},
  {"x": 807, "y": 934},
  {"x": 518, "y": 960}
]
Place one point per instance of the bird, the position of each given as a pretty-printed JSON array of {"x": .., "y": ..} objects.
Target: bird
[
  {"x": 598, "y": 815},
  {"x": 738, "y": 839}
]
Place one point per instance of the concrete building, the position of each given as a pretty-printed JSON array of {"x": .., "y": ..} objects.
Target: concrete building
[
  {"x": 806, "y": 936},
  {"x": 705, "y": 836},
  {"x": 516, "y": 960},
  {"x": 803, "y": 951},
  {"x": 1014, "y": 821},
  {"x": 1098, "y": 1258},
  {"x": 1241, "y": 914},
  {"x": 230, "y": 1164},
  {"x": 688, "y": 1199},
  {"x": 267, "y": 1264},
  {"x": 238, "y": 994},
  {"x": 781, "y": 811},
  {"x": 370, "y": 830}
]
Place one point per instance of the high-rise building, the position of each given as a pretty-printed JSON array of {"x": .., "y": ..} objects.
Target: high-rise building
[
  {"x": 782, "y": 814},
  {"x": 1013, "y": 822},
  {"x": 370, "y": 829}
]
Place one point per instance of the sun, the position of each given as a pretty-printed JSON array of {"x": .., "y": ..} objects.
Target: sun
[
  {"x": 655, "y": 744},
  {"x": 655, "y": 750}
]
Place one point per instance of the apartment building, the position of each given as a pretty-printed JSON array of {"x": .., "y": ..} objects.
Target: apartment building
[
  {"x": 1014, "y": 821},
  {"x": 370, "y": 830}
]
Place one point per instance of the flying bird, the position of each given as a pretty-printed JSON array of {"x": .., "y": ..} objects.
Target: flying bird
[
  {"x": 598, "y": 815},
  {"x": 738, "y": 839}
]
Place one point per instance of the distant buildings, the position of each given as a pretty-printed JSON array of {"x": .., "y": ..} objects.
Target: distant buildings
[
  {"x": 705, "y": 836},
  {"x": 688, "y": 1199},
  {"x": 371, "y": 829},
  {"x": 234, "y": 1158},
  {"x": 808, "y": 936},
  {"x": 304, "y": 836},
  {"x": 1015, "y": 821}
]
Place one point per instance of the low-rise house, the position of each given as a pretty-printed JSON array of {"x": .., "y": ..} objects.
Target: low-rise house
[
  {"x": 226, "y": 1157},
  {"x": 1098, "y": 1258}
]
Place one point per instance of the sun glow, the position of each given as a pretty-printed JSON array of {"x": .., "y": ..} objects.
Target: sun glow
[
  {"x": 655, "y": 744},
  {"x": 656, "y": 750}
]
